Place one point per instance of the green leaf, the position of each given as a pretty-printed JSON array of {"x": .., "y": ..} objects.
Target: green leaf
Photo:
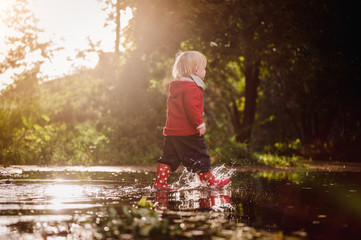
[
  {"x": 144, "y": 203},
  {"x": 45, "y": 117},
  {"x": 37, "y": 127}
]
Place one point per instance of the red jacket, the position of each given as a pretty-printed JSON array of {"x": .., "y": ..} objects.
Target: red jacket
[{"x": 184, "y": 109}]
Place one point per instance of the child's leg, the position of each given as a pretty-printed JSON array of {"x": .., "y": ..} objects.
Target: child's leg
[
  {"x": 170, "y": 156},
  {"x": 195, "y": 158},
  {"x": 168, "y": 163},
  {"x": 192, "y": 152}
]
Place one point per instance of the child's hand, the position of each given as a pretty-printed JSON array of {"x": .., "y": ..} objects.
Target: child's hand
[{"x": 202, "y": 130}]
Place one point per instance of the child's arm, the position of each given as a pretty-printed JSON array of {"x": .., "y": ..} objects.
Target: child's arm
[
  {"x": 193, "y": 105},
  {"x": 202, "y": 129}
]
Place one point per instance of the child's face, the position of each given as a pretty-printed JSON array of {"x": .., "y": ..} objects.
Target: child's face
[{"x": 201, "y": 71}]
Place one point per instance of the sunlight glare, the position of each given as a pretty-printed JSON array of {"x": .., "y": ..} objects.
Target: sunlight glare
[
  {"x": 61, "y": 194},
  {"x": 68, "y": 24},
  {"x": 3, "y": 6}
]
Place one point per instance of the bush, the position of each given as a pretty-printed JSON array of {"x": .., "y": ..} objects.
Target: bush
[
  {"x": 278, "y": 161},
  {"x": 55, "y": 144},
  {"x": 231, "y": 153}
]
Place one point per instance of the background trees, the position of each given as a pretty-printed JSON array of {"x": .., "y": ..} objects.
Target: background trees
[
  {"x": 20, "y": 101},
  {"x": 272, "y": 63},
  {"x": 282, "y": 78}
]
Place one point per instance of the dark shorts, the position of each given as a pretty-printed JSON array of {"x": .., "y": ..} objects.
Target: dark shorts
[{"x": 189, "y": 150}]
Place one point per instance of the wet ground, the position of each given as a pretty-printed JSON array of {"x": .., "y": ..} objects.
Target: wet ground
[{"x": 118, "y": 203}]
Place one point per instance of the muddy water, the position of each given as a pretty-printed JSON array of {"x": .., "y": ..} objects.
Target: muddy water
[{"x": 118, "y": 202}]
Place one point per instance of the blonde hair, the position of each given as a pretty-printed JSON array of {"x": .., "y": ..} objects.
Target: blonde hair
[{"x": 187, "y": 62}]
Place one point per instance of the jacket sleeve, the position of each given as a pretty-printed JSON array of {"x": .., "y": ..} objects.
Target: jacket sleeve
[{"x": 193, "y": 105}]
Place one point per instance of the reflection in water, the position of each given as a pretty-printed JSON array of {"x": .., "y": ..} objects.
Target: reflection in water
[
  {"x": 61, "y": 196},
  {"x": 198, "y": 199},
  {"x": 298, "y": 204}
]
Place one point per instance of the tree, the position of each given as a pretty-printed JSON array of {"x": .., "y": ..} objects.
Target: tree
[
  {"x": 113, "y": 9},
  {"x": 269, "y": 42},
  {"x": 25, "y": 40},
  {"x": 20, "y": 101}
]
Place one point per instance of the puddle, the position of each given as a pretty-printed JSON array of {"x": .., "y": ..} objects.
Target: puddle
[{"x": 101, "y": 202}]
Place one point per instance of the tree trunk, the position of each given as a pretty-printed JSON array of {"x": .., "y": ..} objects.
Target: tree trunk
[
  {"x": 252, "y": 82},
  {"x": 235, "y": 115}
]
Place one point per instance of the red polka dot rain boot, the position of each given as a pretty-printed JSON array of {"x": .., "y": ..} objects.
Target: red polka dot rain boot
[
  {"x": 163, "y": 172},
  {"x": 212, "y": 181}
]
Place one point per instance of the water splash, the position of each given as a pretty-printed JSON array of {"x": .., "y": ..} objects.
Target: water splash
[
  {"x": 189, "y": 180},
  {"x": 223, "y": 172}
]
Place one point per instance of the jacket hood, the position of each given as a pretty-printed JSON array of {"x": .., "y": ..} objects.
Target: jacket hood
[{"x": 178, "y": 87}]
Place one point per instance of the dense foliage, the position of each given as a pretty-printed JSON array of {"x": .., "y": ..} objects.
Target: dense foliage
[{"x": 283, "y": 78}]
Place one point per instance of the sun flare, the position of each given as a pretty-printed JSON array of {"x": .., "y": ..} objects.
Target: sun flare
[
  {"x": 3, "y": 5},
  {"x": 61, "y": 194},
  {"x": 69, "y": 25}
]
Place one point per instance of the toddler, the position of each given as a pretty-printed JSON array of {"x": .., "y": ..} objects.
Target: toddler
[{"x": 184, "y": 129}]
